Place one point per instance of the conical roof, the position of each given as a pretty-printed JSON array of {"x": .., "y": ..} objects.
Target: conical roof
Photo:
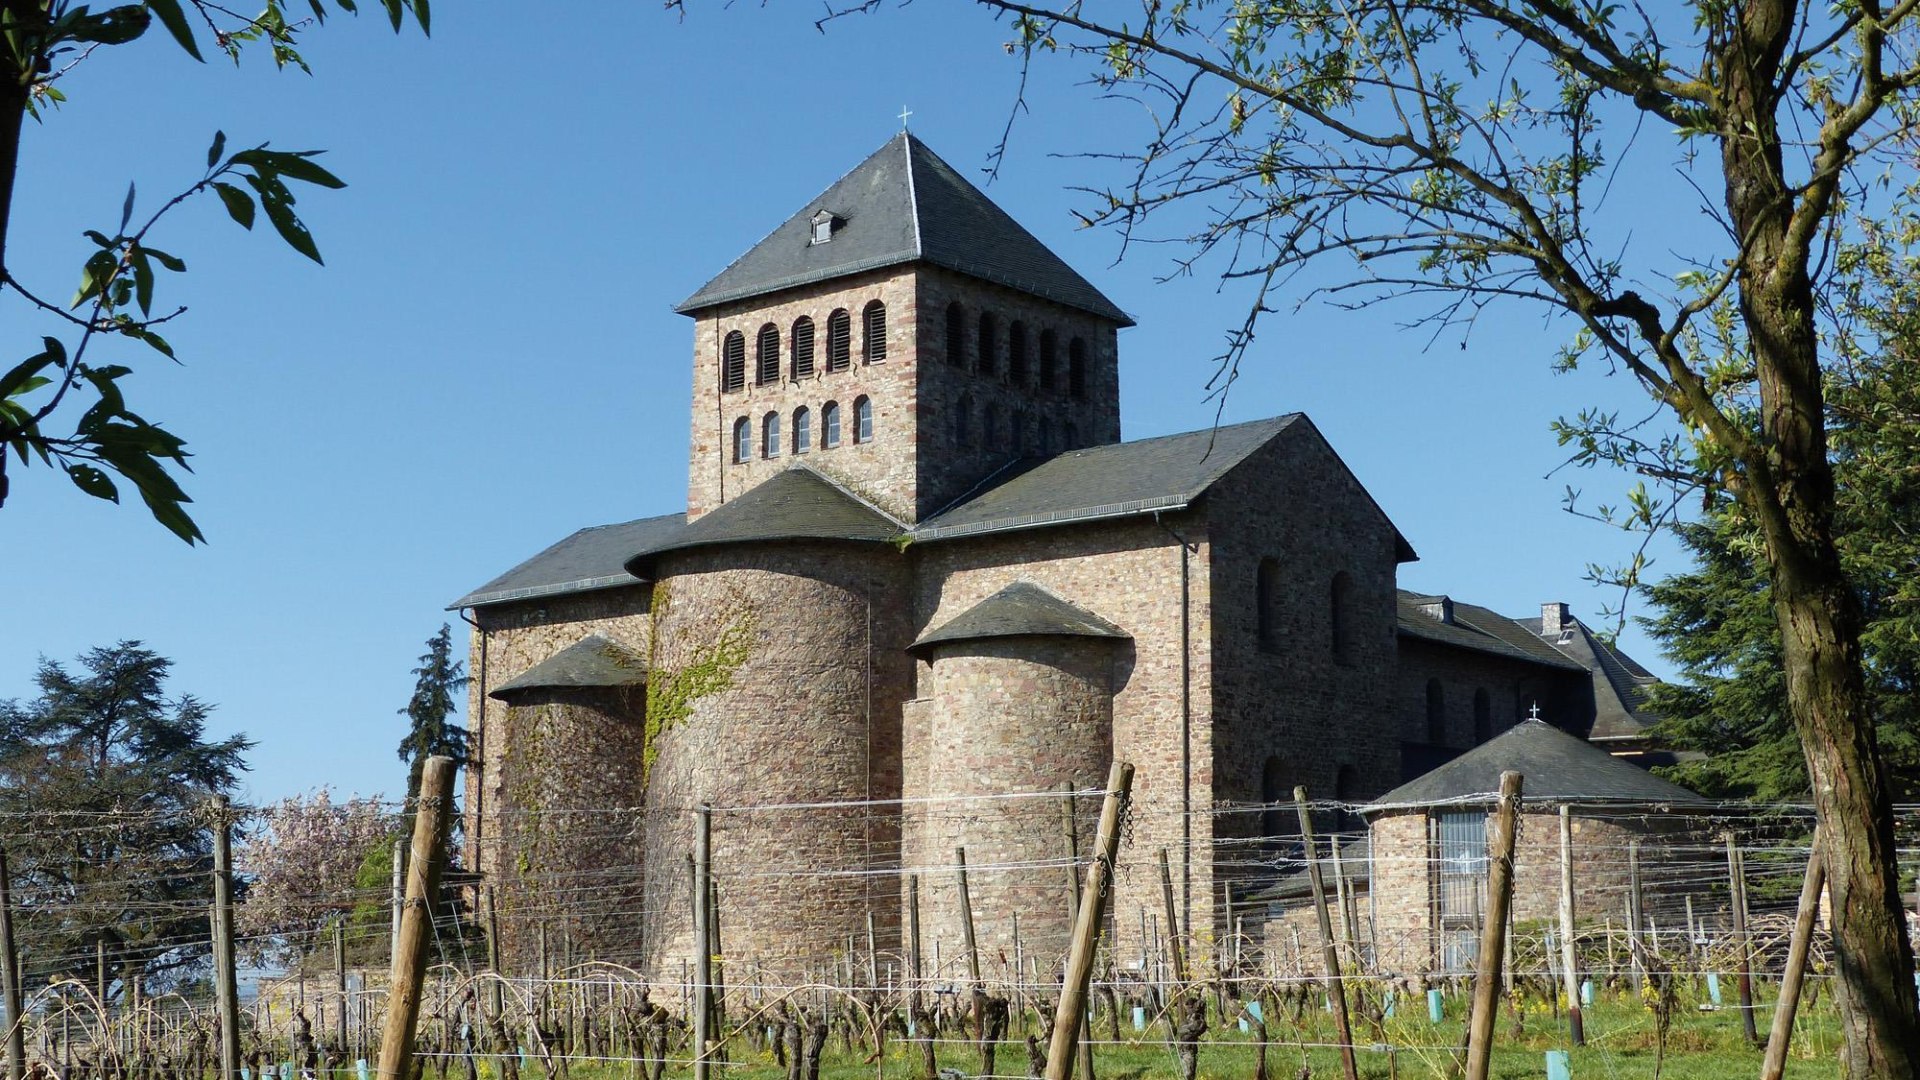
[
  {"x": 901, "y": 205},
  {"x": 1021, "y": 609},
  {"x": 593, "y": 661},
  {"x": 1557, "y": 767},
  {"x": 796, "y": 503}
]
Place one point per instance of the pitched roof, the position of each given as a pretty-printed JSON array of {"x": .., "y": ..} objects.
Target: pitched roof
[
  {"x": 1477, "y": 628},
  {"x": 795, "y": 503},
  {"x": 1620, "y": 685},
  {"x": 903, "y": 204},
  {"x": 1557, "y": 767},
  {"x": 588, "y": 559},
  {"x": 1115, "y": 480},
  {"x": 590, "y": 662},
  {"x": 1022, "y": 609}
]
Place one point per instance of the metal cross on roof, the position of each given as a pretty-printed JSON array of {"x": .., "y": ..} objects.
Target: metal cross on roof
[
  {"x": 904, "y": 113},
  {"x": 1535, "y": 711}
]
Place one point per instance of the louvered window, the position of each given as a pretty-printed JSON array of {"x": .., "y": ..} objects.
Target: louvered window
[
  {"x": 733, "y": 363},
  {"x": 956, "y": 335},
  {"x": 874, "y": 323},
  {"x": 803, "y": 348},
  {"x": 767, "y": 356},
  {"x": 1017, "y": 353},
  {"x": 862, "y": 420},
  {"x": 829, "y": 425},
  {"x": 839, "y": 340},
  {"x": 1077, "y": 368},
  {"x": 989, "y": 344}
]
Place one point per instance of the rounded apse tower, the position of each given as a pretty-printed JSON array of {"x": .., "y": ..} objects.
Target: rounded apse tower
[
  {"x": 774, "y": 697},
  {"x": 1018, "y": 702}
]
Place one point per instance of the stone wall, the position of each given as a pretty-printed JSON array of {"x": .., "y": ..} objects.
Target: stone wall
[
  {"x": 1003, "y": 716},
  {"x": 1512, "y": 687},
  {"x": 776, "y": 681}
]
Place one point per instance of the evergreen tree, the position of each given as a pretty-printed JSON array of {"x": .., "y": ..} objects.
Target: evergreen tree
[
  {"x": 438, "y": 678},
  {"x": 104, "y": 786}
]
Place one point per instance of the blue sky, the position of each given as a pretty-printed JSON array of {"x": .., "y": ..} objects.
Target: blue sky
[{"x": 489, "y": 359}]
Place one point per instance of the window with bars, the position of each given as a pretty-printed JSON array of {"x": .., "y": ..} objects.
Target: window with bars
[
  {"x": 873, "y": 322},
  {"x": 767, "y": 356},
  {"x": 989, "y": 344},
  {"x": 770, "y": 435},
  {"x": 742, "y": 441},
  {"x": 956, "y": 335},
  {"x": 1462, "y": 859},
  {"x": 862, "y": 420},
  {"x": 829, "y": 425},
  {"x": 733, "y": 363},
  {"x": 1049, "y": 359},
  {"x": 839, "y": 340},
  {"x": 1077, "y": 368},
  {"x": 802, "y": 430},
  {"x": 1017, "y": 353},
  {"x": 803, "y": 348}
]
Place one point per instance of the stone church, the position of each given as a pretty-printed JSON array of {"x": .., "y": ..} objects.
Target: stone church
[{"x": 920, "y": 584}]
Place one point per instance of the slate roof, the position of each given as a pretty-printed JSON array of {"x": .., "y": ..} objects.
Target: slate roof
[
  {"x": 795, "y": 503},
  {"x": 587, "y": 560},
  {"x": 1022, "y": 609},
  {"x": 1481, "y": 629},
  {"x": 901, "y": 205},
  {"x": 1620, "y": 685},
  {"x": 1356, "y": 863},
  {"x": 590, "y": 662},
  {"x": 1558, "y": 768}
]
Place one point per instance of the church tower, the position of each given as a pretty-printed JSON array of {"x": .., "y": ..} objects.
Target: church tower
[{"x": 902, "y": 335}]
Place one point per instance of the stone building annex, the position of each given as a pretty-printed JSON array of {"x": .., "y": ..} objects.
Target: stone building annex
[{"x": 919, "y": 573}]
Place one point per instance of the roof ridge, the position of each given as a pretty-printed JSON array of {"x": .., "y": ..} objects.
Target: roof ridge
[
  {"x": 848, "y": 492},
  {"x": 913, "y": 195}
]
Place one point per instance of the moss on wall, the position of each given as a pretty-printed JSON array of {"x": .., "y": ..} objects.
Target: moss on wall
[{"x": 709, "y": 669}]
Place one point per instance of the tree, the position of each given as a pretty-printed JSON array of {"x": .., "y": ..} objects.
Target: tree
[
  {"x": 43, "y": 43},
  {"x": 104, "y": 781},
  {"x": 1454, "y": 150},
  {"x": 437, "y": 679},
  {"x": 302, "y": 860}
]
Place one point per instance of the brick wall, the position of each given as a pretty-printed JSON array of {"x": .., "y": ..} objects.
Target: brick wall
[{"x": 1512, "y": 687}]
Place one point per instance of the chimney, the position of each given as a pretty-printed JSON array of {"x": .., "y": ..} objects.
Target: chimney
[{"x": 1555, "y": 619}]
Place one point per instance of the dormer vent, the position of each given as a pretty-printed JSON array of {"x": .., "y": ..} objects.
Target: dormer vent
[
  {"x": 823, "y": 225},
  {"x": 1438, "y": 608}
]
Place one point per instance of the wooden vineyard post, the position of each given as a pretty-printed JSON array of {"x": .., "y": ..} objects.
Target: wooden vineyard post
[
  {"x": 1636, "y": 919},
  {"x": 340, "y": 982},
  {"x": 973, "y": 952},
  {"x": 1493, "y": 932},
  {"x": 930, "y": 1069},
  {"x": 1781, "y": 1033},
  {"x": 1569, "y": 952},
  {"x": 1069, "y": 826},
  {"x": 431, "y": 817},
  {"x": 702, "y": 940},
  {"x": 10, "y": 980},
  {"x": 226, "y": 983},
  {"x": 1737, "y": 898},
  {"x": 1071, "y": 1012},
  {"x": 1173, "y": 925},
  {"x": 397, "y": 896},
  {"x": 1329, "y": 952}
]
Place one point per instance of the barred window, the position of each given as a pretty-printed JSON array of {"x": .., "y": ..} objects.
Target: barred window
[
  {"x": 742, "y": 441},
  {"x": 956, "y": 334},
  {"x": 829, "y": 425},
  {"x": 767, "y": 356},
  {"x": 802, "y": 430},
  {"x": 733, "y": 363},
  {"x": 873, "y": 322},
  {"x": 862, "y": 420},
  {"x": 803, "y": 348},
  {"x": 1017, "y": 353},
  {"x": 839, "y": 340}
]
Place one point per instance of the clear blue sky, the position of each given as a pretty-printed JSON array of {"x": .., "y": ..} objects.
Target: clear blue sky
[{"x": 489, "y": 359}]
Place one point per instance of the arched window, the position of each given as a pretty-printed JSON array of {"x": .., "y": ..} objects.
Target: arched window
[
  {"x": 1436, "y": 713},
  {"x": 989, "y": 344},
  {"x": 956, "y": 334},
  {"x": 1482, "y": 716},
  {"x": 803, "y": 348},
  {"x": 1346, "y": 789},
  {"x": 862, "y": 420},
  {"x": 963, "y": 421},
  {"x": 742, "y": 441},
  {"x": 829, "y": 425},
  {"x": 1267, "y": 596},
  {"x": 873, "y": 321},
  {"x": 990, "y": 427},
  {"x": 839, "y": 340},
  {"x": 1279, "y": 822},
  {"x": 1017, "y": 353},
  {"x": 1077, "y": 368},
  {"x": 1049, "y": 358},
  {"x": 733, "y": 363},
  {"x": 766, "y": 354},
  {"x": 1340, "y": 615},
  {"x": 1017, "y": 432},
  {"x": 802, "y": 430},
  {"x": 770, "y": 435},
  {"x": 1046, "y": 437}
]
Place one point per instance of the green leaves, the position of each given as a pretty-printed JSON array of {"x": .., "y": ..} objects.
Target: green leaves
[
  {"x": 266, "y": 171},
  {"x": 175, "y": 20}
]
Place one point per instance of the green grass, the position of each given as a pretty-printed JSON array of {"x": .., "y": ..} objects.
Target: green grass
[{"x": 1701, "y": 1045}]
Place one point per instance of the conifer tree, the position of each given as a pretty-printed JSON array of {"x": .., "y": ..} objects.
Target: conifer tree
[{"x": 438, "y": 678}]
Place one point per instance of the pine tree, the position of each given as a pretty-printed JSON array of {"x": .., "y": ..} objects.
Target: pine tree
[{"x": 438, "y": 678}]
